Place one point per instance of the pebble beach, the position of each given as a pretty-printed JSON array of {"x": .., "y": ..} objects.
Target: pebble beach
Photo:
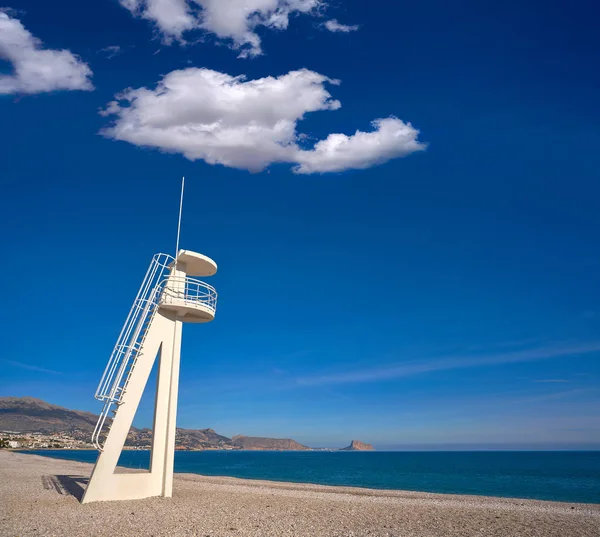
[{"x": 40, "y": 497}]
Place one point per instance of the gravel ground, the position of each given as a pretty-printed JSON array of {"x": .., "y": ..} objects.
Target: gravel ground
[{"x": 39, "y": 496}]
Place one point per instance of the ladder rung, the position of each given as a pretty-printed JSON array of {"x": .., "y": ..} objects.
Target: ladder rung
[{"x": 128, "y": 349}]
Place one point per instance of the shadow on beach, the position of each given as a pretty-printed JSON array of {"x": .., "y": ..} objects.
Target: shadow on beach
[{"x": 66, "y": 484}]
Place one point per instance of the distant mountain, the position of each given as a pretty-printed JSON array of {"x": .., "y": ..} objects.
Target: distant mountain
[
  {"x": 258, "y": 443},
  {"x": 202, "y": 439},
  {"x": 356, "y": 445},
  {"x": 30, "y": 415}
]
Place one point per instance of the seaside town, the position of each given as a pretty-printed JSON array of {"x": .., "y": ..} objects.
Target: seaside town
[{"x": 17, "y": 440}]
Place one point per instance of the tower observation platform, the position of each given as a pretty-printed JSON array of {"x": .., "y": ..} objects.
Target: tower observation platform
[{"x": 192, "y": 300}]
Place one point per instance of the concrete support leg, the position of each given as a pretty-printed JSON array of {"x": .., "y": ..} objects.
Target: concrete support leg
[{"x": 164, "y": 336}]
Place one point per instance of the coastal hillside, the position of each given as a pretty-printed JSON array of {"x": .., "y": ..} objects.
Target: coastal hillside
[
  {"x": 30, "y": 415},
  {"x": 259, "y": 443},
  {"x": 35, "y": 423},
  {"x": 194, "y": 439}
]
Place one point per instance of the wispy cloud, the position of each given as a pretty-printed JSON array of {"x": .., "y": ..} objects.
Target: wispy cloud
[
  {"x": 111, "y": 51},
  {"x": 451, "y": 362},
  {"x": 334, "y": 26},
  {"x": 552, "y": 380},
  {"x": 31, "y": 367},
  {"x": 550, "y": 396}
]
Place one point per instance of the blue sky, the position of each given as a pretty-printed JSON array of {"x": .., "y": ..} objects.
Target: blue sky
[{"x": 410, "y": 289}]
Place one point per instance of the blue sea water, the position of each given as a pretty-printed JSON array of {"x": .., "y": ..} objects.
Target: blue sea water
[{"x": 561, "y": 476}]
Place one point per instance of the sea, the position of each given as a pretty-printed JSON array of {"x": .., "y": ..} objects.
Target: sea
[{"x": 549, "y": 475}]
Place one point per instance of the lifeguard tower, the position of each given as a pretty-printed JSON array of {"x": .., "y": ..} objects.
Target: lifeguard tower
[{"x": 169, "y": 296}]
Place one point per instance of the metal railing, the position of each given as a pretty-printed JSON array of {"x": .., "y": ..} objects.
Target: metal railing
[
  {"x": 112, "y": 385},
  {"x": 144, "y": 306},
  {"x": 157, "y": 289},
  {"x": 188, "y": 291}
]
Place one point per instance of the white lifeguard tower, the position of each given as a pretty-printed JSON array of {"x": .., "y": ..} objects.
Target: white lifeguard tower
[{"x": 170, "y": 295}]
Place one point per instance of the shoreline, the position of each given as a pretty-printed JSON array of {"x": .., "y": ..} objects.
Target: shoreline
[
  {"x": 475, "y": 492},
  {"x": 40, "y": 495}
]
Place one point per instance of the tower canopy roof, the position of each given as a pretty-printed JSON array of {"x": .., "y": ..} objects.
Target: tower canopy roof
[{"x": 197, "y": 264}]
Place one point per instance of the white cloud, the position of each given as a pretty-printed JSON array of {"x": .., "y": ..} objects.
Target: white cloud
[
  {"x": 37, "y": 70},
  {"x": 173, "y": 17},
  {"x": 391, "y": 138},
  {"x": 233, "y": 20},
  {"x": 334, "y": 26},
  {"x": 249, "y": 124}
]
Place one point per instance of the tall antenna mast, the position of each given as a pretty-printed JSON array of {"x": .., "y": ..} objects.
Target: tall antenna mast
[
  {"x": 170, "y": 295},
  {"x": 179, "y": 222}
]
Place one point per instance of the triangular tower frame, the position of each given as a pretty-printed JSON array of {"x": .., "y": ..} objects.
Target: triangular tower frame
[{"x": 169, "y": 296}]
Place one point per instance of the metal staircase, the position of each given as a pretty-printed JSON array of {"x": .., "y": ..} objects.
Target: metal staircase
[{"x": 122, "y": 361}]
